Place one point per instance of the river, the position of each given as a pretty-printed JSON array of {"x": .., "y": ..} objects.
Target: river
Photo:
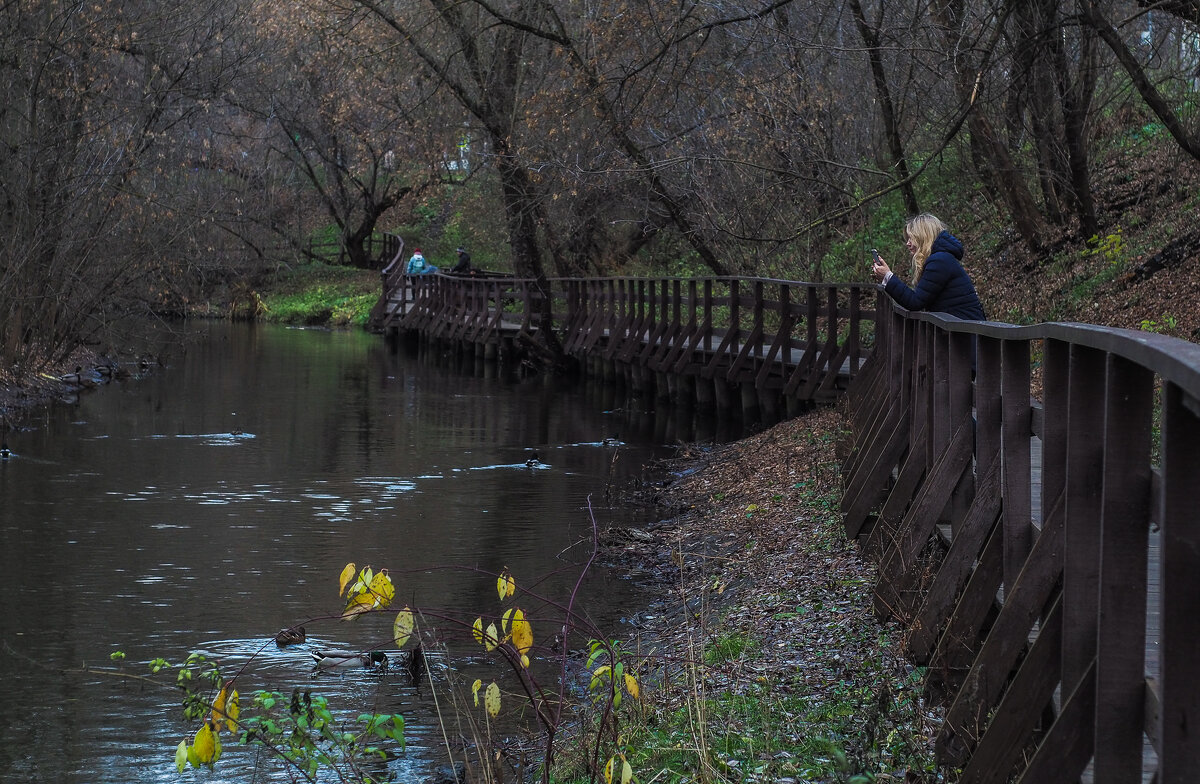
[{"x": 216, "y": 499}]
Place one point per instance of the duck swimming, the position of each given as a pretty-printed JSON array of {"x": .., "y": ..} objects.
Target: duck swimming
[
  {"x": 81, "y": 378},
  {"x": 533, "y": 462},
  {"x": 290, "y": 636},
  {"x": 336, "y": 660},
  {"x": 5, "y": 452}
]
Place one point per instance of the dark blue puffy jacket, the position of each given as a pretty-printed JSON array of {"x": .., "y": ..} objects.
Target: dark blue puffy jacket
[{"x": 944, "y": 286}]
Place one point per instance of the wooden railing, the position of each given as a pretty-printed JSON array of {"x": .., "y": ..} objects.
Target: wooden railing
[
  {"x": 1029, "y": 494},
  {"x": 1026, "y": 491},
  {"x": 380, "y": 247},
  {"x": 802, "y": 341},
  {"x": 392, "y": 277}
]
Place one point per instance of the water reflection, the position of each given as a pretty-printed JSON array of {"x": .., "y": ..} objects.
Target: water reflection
[{"x": 216, "y": 501}]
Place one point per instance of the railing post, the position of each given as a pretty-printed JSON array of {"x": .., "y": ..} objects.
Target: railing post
[
  {"x": 1016, "y": 470},
  {"x": 1179, "y": 638},
  {"x": 708, "y": 307},
  {"x": 1125, "y": 531},
  {"x": 1084, "y": 482}
]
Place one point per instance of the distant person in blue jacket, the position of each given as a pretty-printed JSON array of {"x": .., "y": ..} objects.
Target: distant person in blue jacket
[
  {"x": 940, "y": 284},
  {"x": 417, "y": 264}
]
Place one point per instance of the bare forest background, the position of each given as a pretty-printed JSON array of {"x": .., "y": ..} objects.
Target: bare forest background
[{"x": 154, "y": 153}]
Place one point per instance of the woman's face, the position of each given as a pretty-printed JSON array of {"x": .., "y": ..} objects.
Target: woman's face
[{"x": 909, "y": 244}]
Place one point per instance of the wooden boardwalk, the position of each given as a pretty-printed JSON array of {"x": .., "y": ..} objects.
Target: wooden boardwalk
[
  {"x": 1028, "y": 492},
  {"x": 711, "y": 342}
]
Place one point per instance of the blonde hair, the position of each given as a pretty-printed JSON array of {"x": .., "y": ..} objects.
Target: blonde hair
[{"x": 922, "y": 230}]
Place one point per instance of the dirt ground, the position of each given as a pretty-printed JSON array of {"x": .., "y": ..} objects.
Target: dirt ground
[
  {"x": 751, "y": 543},
  {"x": 1142, "y": 272}
]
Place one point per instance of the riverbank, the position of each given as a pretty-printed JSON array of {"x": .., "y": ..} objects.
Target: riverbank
[
  {"x": 770, "y": 664},
  {"x": 23, "y": 393}
]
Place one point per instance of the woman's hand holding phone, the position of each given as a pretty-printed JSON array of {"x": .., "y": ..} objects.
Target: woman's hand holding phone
[{"x": 879, "y": 267}]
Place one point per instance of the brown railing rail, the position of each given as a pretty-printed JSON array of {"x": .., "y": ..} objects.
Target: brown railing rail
[
  {"x": 780, "y": 339},
  {"x": 1030, "y": 496}
]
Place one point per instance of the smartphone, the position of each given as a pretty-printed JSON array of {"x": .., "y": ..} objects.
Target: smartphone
[{"x": 875, "y": 255}]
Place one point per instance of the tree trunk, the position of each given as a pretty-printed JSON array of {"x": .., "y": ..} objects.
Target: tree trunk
[
  {"x": 887, "y": 111},
  {"x": 1076, "y": 107},
  {"x": 1096, "y": 20},
  {"x": 998, "y": 162}
]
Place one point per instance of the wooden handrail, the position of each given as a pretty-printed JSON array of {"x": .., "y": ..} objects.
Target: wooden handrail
[{"x": 1053, "y": 523}]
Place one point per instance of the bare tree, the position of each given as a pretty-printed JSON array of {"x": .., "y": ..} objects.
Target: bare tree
[
  {"x": 357, "y": 130},
  {"x": 1159, "y": 102},
  {"x": 887, "y": 110},
  {"x": 91, "y": 105}
]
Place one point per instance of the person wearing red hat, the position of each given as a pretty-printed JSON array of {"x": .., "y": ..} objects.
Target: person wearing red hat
[{"x": 416, "y": 264}]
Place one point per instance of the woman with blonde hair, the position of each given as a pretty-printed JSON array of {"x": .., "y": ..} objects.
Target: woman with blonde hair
[{"x": 940, "y": 284}]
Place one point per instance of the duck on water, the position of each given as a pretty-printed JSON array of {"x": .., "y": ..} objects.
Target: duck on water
[{"x": 412, "y": 662}]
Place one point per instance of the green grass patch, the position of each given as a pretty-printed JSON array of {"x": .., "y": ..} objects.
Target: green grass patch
[
  {"x": 728, "y": 647},
  {"x": 321, "y": 294},
  {"x": 768, "y": 734}
]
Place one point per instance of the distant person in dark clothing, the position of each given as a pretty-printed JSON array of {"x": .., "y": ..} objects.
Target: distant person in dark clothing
[
  {"x": 464, "y": 263},
  {"x": 940, "y": 284}
]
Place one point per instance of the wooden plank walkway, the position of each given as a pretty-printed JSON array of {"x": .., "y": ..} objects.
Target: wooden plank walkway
[{"x": 1043, "y": 558}]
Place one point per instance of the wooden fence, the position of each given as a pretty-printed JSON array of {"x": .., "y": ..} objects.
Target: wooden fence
[
  {"x": 1029, "y": 494},
  {"x": 710, "y": 341}
]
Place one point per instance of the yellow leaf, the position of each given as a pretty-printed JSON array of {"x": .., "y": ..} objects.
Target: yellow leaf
[
  {"x": 626, "y": 771},
  {"x": 504, "y": 621},
  {"x": 232, "y": 710},
  {"x": 475, "y": 691},
  {"x": 477, "y": 628},
  {"x": 218, "y": 711},
  {"x": 524, "y": 661},
  {"x": 403, "y": 626},
  {"x": 382, "y": 589},
  {"x": 631, "y": 686},
  {"x": 608, "y": 769},
  {"x": 205, "y": 745},
  {"x": 181, "y": 755},
  {"x": 347, "y": 573},
  {"x": 357, "y": 606},
  {"x": 491, "y": 699},
  {"x": 490, "y": 640},
  {"x": 600, "y": 671},
  {"x": 505, "y": 585},
  {"x": 522, "y": 632}
]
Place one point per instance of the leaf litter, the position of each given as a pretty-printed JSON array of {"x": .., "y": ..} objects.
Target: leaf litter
[{"x": 765, "y": 600}]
